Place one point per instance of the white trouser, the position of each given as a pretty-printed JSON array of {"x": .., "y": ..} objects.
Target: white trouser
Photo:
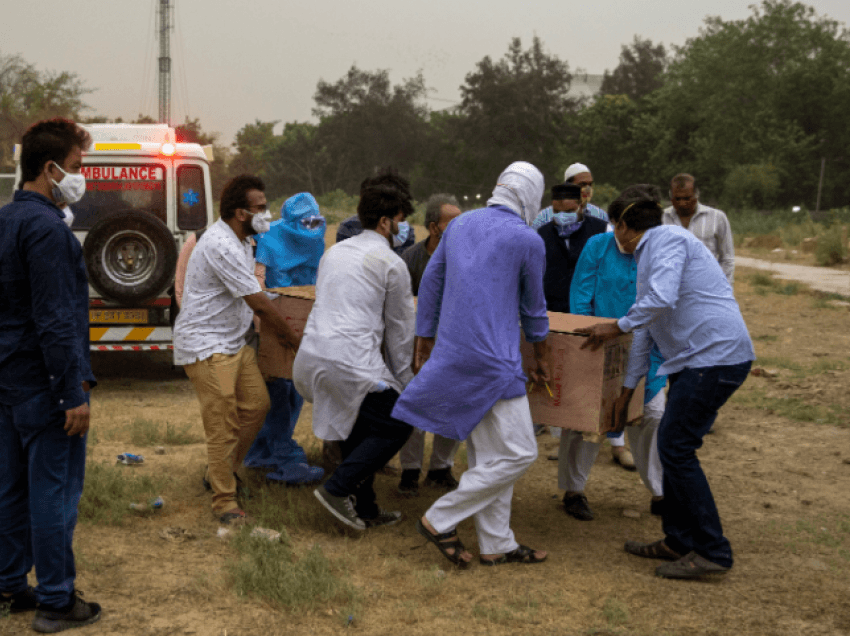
[
  {"x": 576, "y": 456},
  {"x": 499, "y": 451},
  {"x": 442, "y": 452}
]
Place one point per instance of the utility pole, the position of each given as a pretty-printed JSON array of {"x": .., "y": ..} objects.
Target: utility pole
[
  {"x": 820, "y": 183},
  {"x": 164, "y": 13}
]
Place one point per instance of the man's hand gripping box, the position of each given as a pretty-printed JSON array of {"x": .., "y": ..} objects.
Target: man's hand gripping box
[
  {"x": 294, "y": 303},
  {"x": 584, "y": 383}
]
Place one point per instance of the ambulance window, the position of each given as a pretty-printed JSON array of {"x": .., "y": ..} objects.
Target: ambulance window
[
  {"x": 117, "y": 188},
  {"x": 191, "y": 198}
]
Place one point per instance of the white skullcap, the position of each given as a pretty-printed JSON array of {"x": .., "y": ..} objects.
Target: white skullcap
[
  {"x": 520, "y": 188},
  {"x": 573, "y": 170}
]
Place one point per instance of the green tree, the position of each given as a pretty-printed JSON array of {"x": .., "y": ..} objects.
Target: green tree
[
  {"x": 639, "y": 72},
  {"x": 28, "y": 95},
  {"x": 770, "y": 89},
  {"x": 366, "y": 123},
  {"x": 294, "y": 161},
  {"x": 249, "y": 144},
  {"x": 605, "y": 140},
  {"x": 517, "y": 108}
]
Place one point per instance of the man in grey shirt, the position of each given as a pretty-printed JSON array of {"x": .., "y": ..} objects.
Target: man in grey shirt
[
  {"x": 709, "y": 225},
  {"x": 439, "y": 211}
]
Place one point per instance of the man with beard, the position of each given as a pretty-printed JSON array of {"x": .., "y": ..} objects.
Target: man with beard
[
  {"x": 579, "y": 175},
  {"x": 356, "y": 356},
  {"x": 220, "y": 298}
]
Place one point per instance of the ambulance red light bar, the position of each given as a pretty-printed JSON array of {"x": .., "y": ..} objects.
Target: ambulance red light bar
[{"x": 167, "y": 150}]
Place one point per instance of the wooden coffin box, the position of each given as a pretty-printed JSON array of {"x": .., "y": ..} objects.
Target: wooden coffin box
[
  {"x": 584, "y": 383},
  {"x": 294, "y": 303}
]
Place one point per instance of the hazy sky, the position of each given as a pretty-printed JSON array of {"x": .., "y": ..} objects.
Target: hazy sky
[{"x": 234, "y": 62}]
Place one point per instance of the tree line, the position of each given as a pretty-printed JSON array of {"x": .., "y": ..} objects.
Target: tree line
[{"x": 754, "y": 108}]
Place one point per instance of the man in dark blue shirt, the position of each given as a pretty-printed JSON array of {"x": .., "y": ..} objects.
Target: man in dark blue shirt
[{"x": 45, "y": 377}]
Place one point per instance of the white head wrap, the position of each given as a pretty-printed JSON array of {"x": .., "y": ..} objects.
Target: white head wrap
[
  {"x": 573, "y": 170},
  {"x": 520, "y": 188}
]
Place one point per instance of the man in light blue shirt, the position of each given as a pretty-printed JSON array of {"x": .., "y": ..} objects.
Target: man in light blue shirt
[{"x": 686, "y": 306}]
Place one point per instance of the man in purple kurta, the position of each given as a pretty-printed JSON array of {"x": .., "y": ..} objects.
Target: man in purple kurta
[{"x": 483, "y": 283}]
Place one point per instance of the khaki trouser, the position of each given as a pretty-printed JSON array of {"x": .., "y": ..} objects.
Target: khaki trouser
[{"x": 234, "y": 402}]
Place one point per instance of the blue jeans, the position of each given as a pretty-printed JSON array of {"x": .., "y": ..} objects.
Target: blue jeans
[
  {"x": 274, "y": 447},
  {"x": 690, "y": 520},
  {"x": 41, "y": 482},
  {"x": 373, "y": 441}
]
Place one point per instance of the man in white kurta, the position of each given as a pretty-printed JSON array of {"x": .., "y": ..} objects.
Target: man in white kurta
[{"x": 363, "y": 299}]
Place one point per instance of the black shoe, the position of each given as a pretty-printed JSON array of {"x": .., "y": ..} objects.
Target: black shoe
[
  {"x": 76, "y": 614},
  {"x": 656, "y": 507},
  {"x": 576, "y": 506},
  {"x": 539, "y": 429},
  {"x": 409, "y": 484},
  {"x": 384, "y": 518},
  {"x": 441, "y": 478},
  {"x": 23, "y": 601}
]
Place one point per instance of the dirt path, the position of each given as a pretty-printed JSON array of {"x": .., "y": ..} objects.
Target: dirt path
[{"x": 820, "y": 278}]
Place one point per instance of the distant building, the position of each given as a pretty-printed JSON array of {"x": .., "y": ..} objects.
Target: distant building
[{"x": 585, "y": 85}]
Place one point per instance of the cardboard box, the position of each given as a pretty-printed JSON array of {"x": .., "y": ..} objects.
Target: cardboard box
[
  {"x": 584, "y": 383},
  {"x": 294, "y": 303}
]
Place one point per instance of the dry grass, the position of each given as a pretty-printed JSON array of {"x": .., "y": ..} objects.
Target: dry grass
[{"x": 780, "y": 482}]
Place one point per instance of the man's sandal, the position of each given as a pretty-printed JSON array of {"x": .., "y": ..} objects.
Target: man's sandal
[
  {"x": 523, "y": 554},
  {"x": 443, "y": 546},
  {"x": 656, "y": 550}
]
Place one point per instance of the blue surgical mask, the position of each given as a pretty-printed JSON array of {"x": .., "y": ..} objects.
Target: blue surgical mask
[
  {"x": 566, "y": 223},
  {"x": 403, "y": 232},
  {"x": 565, "y": 218}
]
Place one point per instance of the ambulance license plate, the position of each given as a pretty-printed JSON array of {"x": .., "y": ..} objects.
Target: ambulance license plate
[{"x": 118, "y": 316}]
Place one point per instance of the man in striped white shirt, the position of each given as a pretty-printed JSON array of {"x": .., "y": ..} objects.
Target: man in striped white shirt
[{"x": 708, "y": 224}]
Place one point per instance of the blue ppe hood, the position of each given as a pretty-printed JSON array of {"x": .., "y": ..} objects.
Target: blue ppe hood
[{"x": 292, "y": 248}]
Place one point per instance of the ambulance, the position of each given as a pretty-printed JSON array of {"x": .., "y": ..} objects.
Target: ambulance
[{"x": 145, "y": 194}]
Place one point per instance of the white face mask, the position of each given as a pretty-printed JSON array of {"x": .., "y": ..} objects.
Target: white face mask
[
  {"x": 69, "y": 216},
  {"x": 71, "y": 189},
  {"x": 261, "y": 222},
  {"x": 403, "y": 232}
]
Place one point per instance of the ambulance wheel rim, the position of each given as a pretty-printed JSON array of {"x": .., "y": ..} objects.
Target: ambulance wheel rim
[{"x": 129, "y": 257}]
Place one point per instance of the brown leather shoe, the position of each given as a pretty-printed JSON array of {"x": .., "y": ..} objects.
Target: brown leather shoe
[
  {"x": 655, "y": 550},
  {"x": 690, "y": 566}
]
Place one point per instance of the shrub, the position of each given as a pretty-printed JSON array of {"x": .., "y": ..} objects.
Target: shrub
[
  {"x": 337, "y": 205},
  {"x": 832, "y": 246},
  {"x": 752, "y": 186}
]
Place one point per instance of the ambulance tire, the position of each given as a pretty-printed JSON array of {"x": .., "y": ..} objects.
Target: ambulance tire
[{"x": 130, "y": 257}]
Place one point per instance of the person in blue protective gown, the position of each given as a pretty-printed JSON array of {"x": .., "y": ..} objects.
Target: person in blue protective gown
[{"x": 290, "y": 252}]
